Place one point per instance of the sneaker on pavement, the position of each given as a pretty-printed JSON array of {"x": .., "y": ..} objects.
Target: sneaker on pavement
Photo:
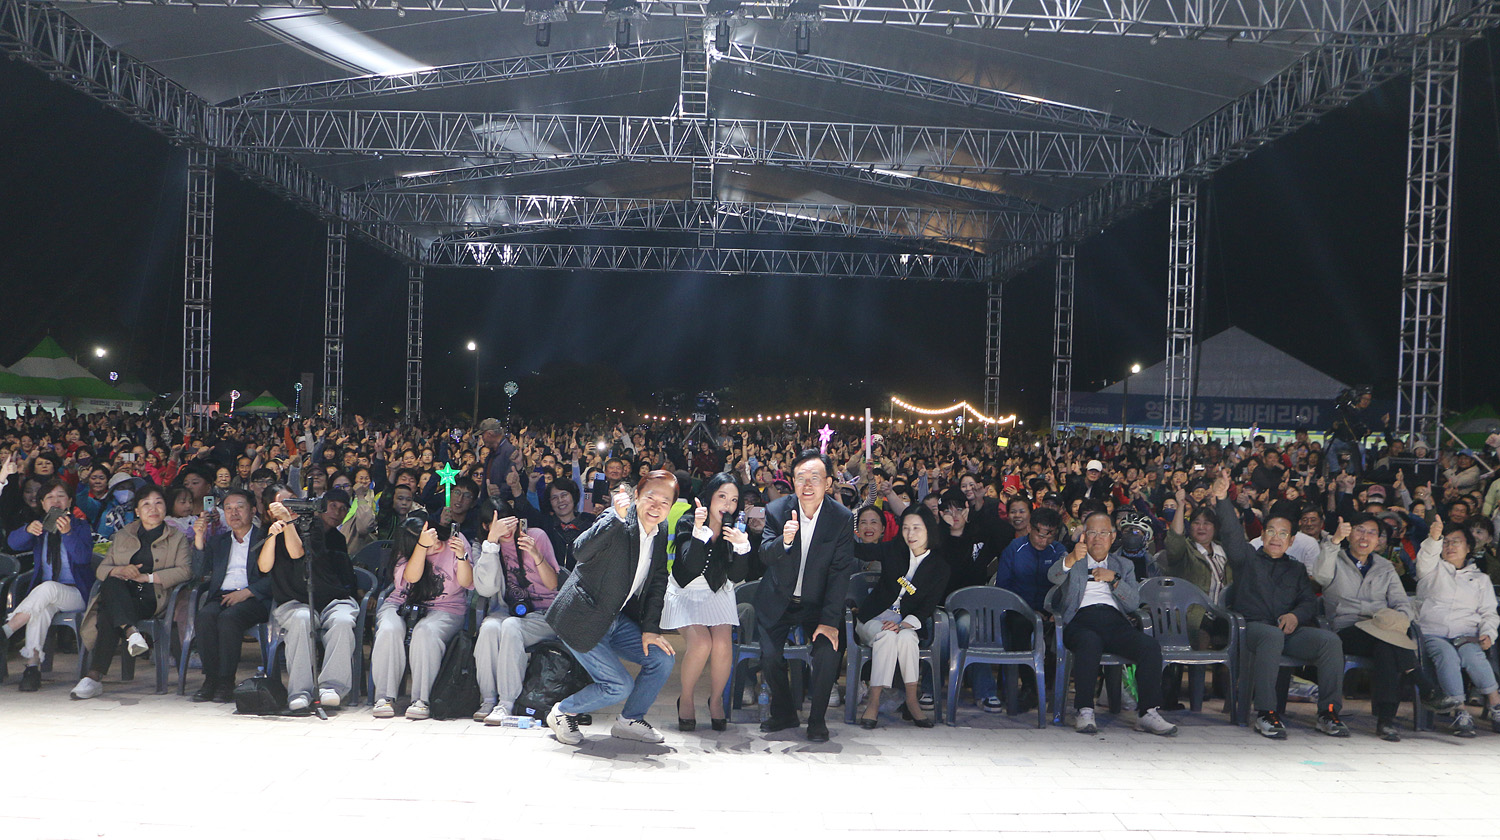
[
  {"x": 1386, "y": 729},
  {"x": 636, "y": 730},
  {"x": 136, "y": 645},
  {"x": 1153, "y": 722},
  {"x": 496, "y": 716},
  {"x": 298, "y": 702},
  {"x": 328, "y": 698},
  {"x": 485, "y": 707},
  {"x": 925, "y": 701},
  {"x": 1495, "y": 718},
  {"x": 1269, "y": 724},
  {"x": 384, "y": 708},
  {"x": 1463, "y": 725},
  {"x": 564, "y": 727},
  {"x": 992, "y": 705},
  {"x": 87, "y": 689},
  {"x": 836, "y": 697},
  {"x": 1329, "y": 724},
  {"x": 1084, "y": 724},
  {"x": 1443, "y": 704},
  {"x": 418, "y": 711}
]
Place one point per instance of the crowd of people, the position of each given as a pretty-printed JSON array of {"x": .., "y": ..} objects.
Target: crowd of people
[{"x": 610, "y": 539}]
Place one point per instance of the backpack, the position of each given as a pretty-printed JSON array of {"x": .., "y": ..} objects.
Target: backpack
[
  {"x": 551, "y": 674},
  {"x": 260, "y": 695},
  {"x": 455, "y": 692}
]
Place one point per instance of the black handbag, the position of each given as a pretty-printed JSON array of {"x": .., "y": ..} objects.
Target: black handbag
[
  {"x": 455, "y": 692},
  {"x": 552, "y": 673},
  {"x": 260, "y": 695}
]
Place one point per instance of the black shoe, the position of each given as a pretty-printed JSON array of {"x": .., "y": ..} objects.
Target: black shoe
[
  {"x": 923, "y": 723},
  {"x": 31, "y": 678},
  {"x": 584, "y": 719},
  {"x": 225, "y": 694},
  {"x": 817, "y": 732},
  {"x": 206, "y": 693},
  {"x": 905, "y": 713},
  {"x": 685, "y": 724},
  {"x": 1386, "y": 729},
  {"x": 868, "y": 723},
  {"x": 777, "y": 724},
  {"x": 719, "y": 724}
]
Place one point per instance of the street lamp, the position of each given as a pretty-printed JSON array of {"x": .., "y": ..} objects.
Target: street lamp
[
  {"x": 1125, "y": 405},
  {"x": 474, "y": 348},
  {"x": 100, "y": 352}
]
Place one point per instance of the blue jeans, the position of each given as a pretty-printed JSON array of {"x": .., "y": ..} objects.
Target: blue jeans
[
  {"x": 1332, "y": 452},
  {"x": 1450, "y": 662},
  {"x": 612, "y": 683}
]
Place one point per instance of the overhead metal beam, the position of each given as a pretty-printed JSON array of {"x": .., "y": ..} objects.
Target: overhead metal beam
[
  {"x": 468, "y": 174},
  {"x": 734, "y": 261},
  {"x": 528, "y": 213},
  {"x": 1265, "y": 21},
  {"x": 463, "y": 74},
  {"x": 668, "y": 140},
  {"x": 930, "y": 89}
]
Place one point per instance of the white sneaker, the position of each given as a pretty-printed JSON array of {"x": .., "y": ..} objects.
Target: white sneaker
[
  {"x": 495, "y": 716},
  {"x": 836, "y": 697},
  {"x": 636, "y": 730},
  {"x": 384, "y": 708},
  {"x": 564, "y": 727},
  {"x": 1153, "y": 722},
  {"x": 298, "y": 702},
  {"x": 484, "y": 710},
  {"x": 87, "y": 689},
  {"x": 418, "y": 711},
  {"x": 328, "y": 698},
  {"x": 1085, "y": 722},
  {"x": 136, "y": 645}
]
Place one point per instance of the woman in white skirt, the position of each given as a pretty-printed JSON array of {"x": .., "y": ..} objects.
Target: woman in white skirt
[
  {"x": 898, "y": 613},
  {"x": 711, "y": 550}
]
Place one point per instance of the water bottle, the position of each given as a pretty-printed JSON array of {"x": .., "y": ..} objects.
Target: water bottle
[
  {"x": 763, "y": 700},
  {"x": 740, "y": 523}
]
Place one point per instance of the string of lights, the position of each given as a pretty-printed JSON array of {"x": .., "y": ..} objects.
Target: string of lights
[{"x": 955, "y": 408}]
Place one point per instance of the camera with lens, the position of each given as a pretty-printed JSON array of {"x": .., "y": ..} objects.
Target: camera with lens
[{"x": 304, "y": 508}]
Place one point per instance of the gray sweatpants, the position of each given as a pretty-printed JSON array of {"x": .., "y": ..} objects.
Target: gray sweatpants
[
  {"x": 336, "y": 625},
  {"x": 1266, "y": 644},
  {"x": 500, "y": 654},
  {"x": 389, "y": 656}
]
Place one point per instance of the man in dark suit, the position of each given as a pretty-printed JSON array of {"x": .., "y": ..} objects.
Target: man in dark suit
[
  {"x": 610, "y": 609},
  {"x": 235, "y": 596},
  {"x": 808, "y": 552}
]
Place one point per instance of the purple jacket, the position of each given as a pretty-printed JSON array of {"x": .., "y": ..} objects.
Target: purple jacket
[{"x": 78, "y": 544}]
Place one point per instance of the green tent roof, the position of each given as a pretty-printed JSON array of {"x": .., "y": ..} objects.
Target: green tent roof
[
  {"x": 266, "y": 403},
  {"x": 48, "y": 372}
]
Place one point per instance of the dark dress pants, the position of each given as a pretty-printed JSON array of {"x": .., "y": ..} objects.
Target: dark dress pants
[
  {"x": 121, "y": 604},
  {"x": 825, "y": 662},
  {"x": 1390, "y": 663},
  {"x": 1099, "y": 629},
  {"x": 221, "y": 632}
]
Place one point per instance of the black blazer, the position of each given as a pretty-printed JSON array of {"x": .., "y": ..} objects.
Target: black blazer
[
  {"x": 595, "y": 593},
  {"x": 716, "y": 561},
  {"x": 930, "y": 581},
  {"x": 212, "y": 563},
  {"x": 830, "y": 561}
]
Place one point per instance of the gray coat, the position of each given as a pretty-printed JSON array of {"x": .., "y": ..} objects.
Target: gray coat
[
  {"x": 1349, "y": 596},
  {"x": 597, "y": 590},
  {"x": 1072, "y": 582}
]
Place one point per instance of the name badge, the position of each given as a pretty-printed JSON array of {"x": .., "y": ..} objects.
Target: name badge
[{"x": 906, "y": 584}]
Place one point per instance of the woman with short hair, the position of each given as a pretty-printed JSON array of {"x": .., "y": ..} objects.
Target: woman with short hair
[{"x": 62, "y": 562}]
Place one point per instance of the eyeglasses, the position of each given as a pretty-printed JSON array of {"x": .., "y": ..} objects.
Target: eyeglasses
[
  {"x": 807, "y": 480},
  {"x": 1093, "y": 534},
  {"x": 1043, "y": 534},
  {"x": 1367, "y": 532},
  {"x": 1276, "y": 532}
]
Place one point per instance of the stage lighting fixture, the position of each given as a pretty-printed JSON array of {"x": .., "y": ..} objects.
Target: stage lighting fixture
[
  {"x": 804, "y": 39},
  {"x": 621, "y": 13},
  {"x": 804, "y": 16},
  {"x": 721, "y": 36},
  {"x": 543, "y": 34}
]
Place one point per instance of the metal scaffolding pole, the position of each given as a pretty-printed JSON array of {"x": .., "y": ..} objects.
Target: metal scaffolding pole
[
  {"x": 414, "y": 292},
  {"x": 1062, "y": 338},
  {"x": 333, "y": 321},
  {"x": 992, "y": 350},
  {"x": 197, "y": 289},
  {"x": 1429, "y": 212},
  {"x": 1182, "y": 273},
  {"x": 692, "y": 104}
]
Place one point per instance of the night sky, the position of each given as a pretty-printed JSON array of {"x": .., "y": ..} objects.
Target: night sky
[{"x": 1302, "y": 249}]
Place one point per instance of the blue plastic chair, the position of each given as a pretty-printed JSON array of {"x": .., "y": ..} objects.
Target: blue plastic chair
[
  {"x": 372, "y": 556},
  {"x": 272, "y": 636},
  {"x": 71, "y": 620},
  {"x": 1168, "y": 600},
  {"x": 747, "y": 653},
  {"x": 860, "y": 585},
  {"x": 986, "y": 607},
  {"x": 1111, "y": 663}
]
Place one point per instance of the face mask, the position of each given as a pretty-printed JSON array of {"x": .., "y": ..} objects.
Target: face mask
[
  {"x": 1132, "y": 541},
  {"x": 122, "y": 496}
]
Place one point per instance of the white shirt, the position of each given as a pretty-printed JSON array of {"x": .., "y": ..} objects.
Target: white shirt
[
  {"x": 643, "y": 562},
  {"x": 805, "y": 528},
  {"x": 237, "y": 573},
  {"x": 1097, "y": 592},
  {"x": 1304, "y": 549}
]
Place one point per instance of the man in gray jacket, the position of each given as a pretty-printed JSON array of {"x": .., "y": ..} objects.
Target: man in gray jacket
[
  {"x": 1096, "y": 590},
  {"x": 610, "y": 609}
]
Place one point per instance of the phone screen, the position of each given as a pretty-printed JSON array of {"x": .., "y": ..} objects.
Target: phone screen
[{"x": 208, "y": 504}]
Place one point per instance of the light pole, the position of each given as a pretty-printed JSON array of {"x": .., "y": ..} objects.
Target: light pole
[
  {"x": 1125, "y": 405},
  {"x": 474, "y": 348}
]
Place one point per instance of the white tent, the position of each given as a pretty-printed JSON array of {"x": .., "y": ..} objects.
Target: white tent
[{"x": 1236, "y": 365}]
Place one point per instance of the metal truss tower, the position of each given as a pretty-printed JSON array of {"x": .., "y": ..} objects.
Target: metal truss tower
[
  {"x": 1429, "y": 213},
  {"x": 1182, "y": 275},
  {"x": 198, "y": 290},
  {"x": 1062, "y": 338},
  {"x": 414, "y": 292},
  {"x": 333, "y": 321},
  {"x": 692, "y": 104},
  {"x": 992, "y": 349}
]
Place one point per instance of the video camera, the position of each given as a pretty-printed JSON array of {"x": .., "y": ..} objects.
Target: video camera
[{"x": 304, "y": 508}]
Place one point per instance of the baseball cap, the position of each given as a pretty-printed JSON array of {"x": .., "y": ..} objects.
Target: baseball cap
[
  {"x": 490, "y": 424},
  {"x": 1094, "y": 465}
]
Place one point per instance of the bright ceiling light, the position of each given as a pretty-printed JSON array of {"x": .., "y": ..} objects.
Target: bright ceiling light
[{"x": 329, "y": 39}]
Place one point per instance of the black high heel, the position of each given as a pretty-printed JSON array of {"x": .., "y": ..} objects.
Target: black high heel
[
  {"x": 684, "y": 724},
  {"x": 718, "y": 724}
]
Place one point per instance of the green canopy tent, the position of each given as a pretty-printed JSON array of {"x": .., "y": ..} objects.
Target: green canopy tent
[
  {"x": 48, "y": 378},
  {"x": 1474, "y": 425},
  {"x": 266, "y": 404}
]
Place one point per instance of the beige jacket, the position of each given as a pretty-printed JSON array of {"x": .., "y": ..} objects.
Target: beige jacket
[{"x": 171, "y": 565}]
